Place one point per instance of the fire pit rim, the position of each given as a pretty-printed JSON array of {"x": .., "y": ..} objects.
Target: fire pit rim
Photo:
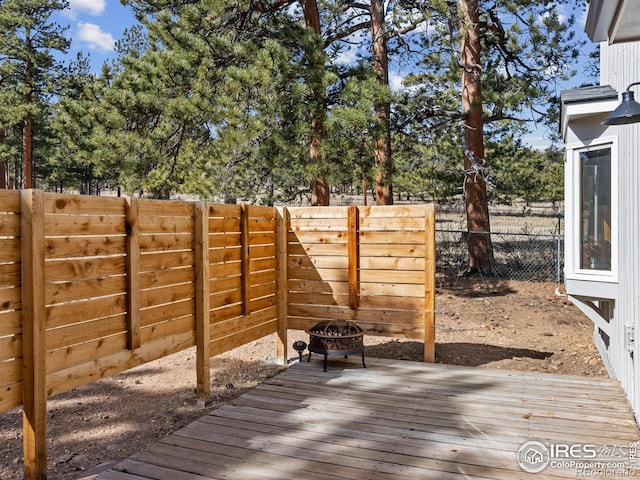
[{"x": 324, "y": 335}]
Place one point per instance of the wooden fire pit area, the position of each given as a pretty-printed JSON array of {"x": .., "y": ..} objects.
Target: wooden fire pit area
[{"x": 336, "y": 337}]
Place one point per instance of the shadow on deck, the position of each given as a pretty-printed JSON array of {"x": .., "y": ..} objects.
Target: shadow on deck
[{"x": 400, "y": 420}]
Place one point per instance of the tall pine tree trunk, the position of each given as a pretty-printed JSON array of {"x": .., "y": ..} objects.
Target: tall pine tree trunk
[
  {"x": 382, "y": 148},
  {"x": 27, "y": 125},
  {"x": 27, "y": 173},
  {"x": 4, "y": 167},
  {"x": 319, "y": 187},
  {"x": 477, "y": 207}
]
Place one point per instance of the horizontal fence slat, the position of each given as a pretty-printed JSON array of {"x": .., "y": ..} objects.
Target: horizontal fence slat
[
  {"x": 10, "y": 322},
  {"x": 397, "y": 224},
  {"x": 11, "y": 371},
  {"x": 392, "y": 289},
  {"x": 224, "y": 227},
  {"x": 56, "y": 293},
  {"x": 150, "y": 224},
  {"x": 317, "y": 249},
  {"x": 10, "y": 396},
  {"x": 223, "y": 255},
  {"x": 84, "y": 352},
  {"x": 10, "y": 225},
  {"x": 10, "y": 347},
  {"x": 9, "y": 201},
  {"x": 337, "y": 312},
  {"x": 63, "y": 314},
  {"x": 73, "y": 247},
  {"x": 10, "y": 248},
  {"x": 72, "y": 334},
  {"x": 166, "y": 312},
  {"x": 9, "y": 276},
  {"x": 159, "y": 242},
  {"x": 222, "y": 299},
  {"x": 392, "y": 276},
  {"x": 78, "y": 225},
  {"x": 11, "y": 299},
  {"x": 175, "y": 327},
  {"x": 167, "y": 294},
  {"x": 239, "y": 324},
  {"x": 165, "y": 260},
  {"x": 84, "y": 268},
  {"x": 324, "y": 274},
  {"x": 395, "y": 211},
  {"x": 57, "y": 203},
  {"x": 161, "y": 208},
  {"x": 391, "y": 250},
  {"x": 227, "y": 343},
  {"x": 160, "y": 278},
  {"x": 335, "y": 213}
]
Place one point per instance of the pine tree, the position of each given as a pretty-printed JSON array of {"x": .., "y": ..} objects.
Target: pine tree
[
  {"x": 28, "y": 79},
  {"x": 498, "y": 59}
]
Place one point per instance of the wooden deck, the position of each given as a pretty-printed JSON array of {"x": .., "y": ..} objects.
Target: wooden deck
[{"x": 392, "y": 420}]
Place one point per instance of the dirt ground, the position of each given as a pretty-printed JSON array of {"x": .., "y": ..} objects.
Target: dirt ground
[{"x": 486, "y": 324}]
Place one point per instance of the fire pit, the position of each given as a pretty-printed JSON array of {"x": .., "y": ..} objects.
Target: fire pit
[{"x": 336, "y": 337}]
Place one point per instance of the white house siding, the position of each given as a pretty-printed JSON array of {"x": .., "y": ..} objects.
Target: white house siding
[{"x": 619, "y": 67}]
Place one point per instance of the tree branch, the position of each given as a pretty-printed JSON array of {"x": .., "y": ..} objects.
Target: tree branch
[{"x": 345, "y": 33}]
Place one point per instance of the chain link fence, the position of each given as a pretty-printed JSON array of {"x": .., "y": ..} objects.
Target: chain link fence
[{"x": 527, "y": 240}]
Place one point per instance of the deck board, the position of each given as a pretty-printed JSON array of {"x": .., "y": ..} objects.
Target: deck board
[{"x": 394, "y": 420}]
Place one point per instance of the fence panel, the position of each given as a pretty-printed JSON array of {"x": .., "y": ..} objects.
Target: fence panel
[
  {"x": 371, "y": 270},
  {"x": 166, "y": 269},
  {"x": 243, "y": 266},
  {"x": 85, "y": 280},
  {"x": 11, "y": 303},
  {"x": 392, "y": 269}
]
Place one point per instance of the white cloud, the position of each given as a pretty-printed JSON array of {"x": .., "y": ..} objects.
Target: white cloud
[
  {"x": 537, "y": 142},
  {"x": 91, "y": 7},
  {"x": 91, "y": 34},
  {"x": 348, "y": 55},
  {"x": 395, "y": 81}
]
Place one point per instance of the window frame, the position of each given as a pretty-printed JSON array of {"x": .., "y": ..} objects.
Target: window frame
[{"x": 573, "y": 235}]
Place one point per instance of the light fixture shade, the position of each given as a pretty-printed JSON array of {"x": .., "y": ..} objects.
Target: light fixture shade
[{"x": 627, "y": 112}]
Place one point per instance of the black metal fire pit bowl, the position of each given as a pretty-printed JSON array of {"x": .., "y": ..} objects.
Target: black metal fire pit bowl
[{"x": 336, "y": 337}]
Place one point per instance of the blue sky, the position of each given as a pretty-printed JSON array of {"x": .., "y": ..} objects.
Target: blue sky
[{"x": 95, "y": 26}]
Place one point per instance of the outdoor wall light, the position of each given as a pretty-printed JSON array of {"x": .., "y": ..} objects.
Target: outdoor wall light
[{"x": 627, "y": 112}]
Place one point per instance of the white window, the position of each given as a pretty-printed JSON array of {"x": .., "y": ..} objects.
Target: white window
[
  {"x": 592, "y": 211},
  {"x": 595, "y": 208}
]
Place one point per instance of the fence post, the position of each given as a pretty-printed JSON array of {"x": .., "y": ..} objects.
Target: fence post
[
  {"x": 133, "y": 274},
  {"x": 353, "y": 241},
  {"x": 203, "y": 278},
  {"x": 34, "y": 400},
  {"x": 244, "y": 237},
  {"x": 430, "y": 283},
  {"x": 282, "y": 286}
]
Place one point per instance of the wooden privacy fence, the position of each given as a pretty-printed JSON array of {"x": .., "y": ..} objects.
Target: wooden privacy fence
[
  {"x": 92, "y": 286},
  {"x": 372, "y": 265}
]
